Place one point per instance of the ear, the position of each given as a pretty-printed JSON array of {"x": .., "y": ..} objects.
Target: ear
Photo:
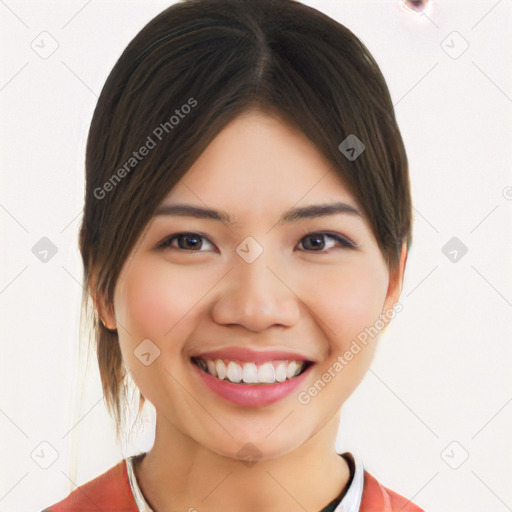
[
  {"x": 396, "y": 281},
  {"x": 105, "y": 311}
]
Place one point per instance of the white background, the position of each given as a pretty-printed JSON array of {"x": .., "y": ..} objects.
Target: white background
[{"x": 440, "y": 387}]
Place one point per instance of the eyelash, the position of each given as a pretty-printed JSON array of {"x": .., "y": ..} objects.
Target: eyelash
[{"x": 344, "y": 242}]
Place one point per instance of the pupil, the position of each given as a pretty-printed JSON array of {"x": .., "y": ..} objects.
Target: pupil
[
  {"x": 187, "y": 238},
  {"x": 317, "y": 241}
]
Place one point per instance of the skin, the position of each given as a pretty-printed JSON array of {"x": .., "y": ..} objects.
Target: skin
[{"x": 314, "y": 300}]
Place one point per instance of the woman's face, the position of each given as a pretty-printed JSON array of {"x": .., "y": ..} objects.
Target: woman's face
[{"x": 262, "y": 283}]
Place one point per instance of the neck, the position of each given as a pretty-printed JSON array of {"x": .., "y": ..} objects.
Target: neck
[{"x": 180, "y": 474}]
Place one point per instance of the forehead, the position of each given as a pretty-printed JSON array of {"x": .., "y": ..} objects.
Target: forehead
[{"x": 260, "y": 161}]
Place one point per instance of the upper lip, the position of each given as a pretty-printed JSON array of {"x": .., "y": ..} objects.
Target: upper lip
[{"x": 250, "y": 355}]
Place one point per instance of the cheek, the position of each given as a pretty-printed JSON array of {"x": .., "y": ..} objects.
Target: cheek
[
  {"x": 152, "y": 299},
  {"x": 347, "y": 301},
  {"x": 350, "y": 299}
]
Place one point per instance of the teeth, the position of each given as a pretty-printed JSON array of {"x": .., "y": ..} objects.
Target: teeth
[
  {"x": 250, "y": 373},
  {"x": 211, "y": 367},
  {"x": 281, "y": 372},
  {"x": 266, "y": 373},
  {"x": 234, "y": 372},
  {"x": 221, "y": 369},
  {"x": 293, "y": 369}
]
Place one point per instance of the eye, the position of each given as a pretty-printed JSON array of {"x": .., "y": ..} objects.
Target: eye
[
  {"x": 185, "y": 241},
  {"x": 313, "y": 242},
  {"x": 317, "y": 242}
]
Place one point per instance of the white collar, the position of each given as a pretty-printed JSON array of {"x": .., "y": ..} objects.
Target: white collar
[{"x": 351, "y": 502}]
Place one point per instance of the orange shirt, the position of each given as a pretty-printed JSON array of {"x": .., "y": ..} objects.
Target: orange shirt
[{"x": 111, "y": 491}]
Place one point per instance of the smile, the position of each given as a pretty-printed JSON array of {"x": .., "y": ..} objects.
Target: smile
[
  {"x": 230, "y": 379},
  {"x": 268, "y": 372}
]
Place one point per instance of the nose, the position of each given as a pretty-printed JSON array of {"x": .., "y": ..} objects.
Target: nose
[{"x": 256, "y": 297}]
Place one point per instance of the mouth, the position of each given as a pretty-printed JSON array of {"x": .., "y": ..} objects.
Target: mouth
[
  {"x": 250, "y": 384},
  {"x": 251, "y": 373}
]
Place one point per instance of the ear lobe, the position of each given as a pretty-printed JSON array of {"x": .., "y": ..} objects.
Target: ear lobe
[
  {"x": 105, "y": 312},
  {"x": 107, "y": 315}
]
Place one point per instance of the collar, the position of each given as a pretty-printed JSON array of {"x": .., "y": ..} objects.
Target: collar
[{"x": 351, "y": 502}]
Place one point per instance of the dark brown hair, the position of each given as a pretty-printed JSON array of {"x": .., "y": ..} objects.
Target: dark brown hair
[{"x": 190, "y": 71}]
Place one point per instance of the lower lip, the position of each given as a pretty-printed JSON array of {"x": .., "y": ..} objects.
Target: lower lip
[{"x": 251, "y": 395}]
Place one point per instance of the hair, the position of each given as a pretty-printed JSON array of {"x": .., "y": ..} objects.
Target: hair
[{"x": 190, "y": 71}]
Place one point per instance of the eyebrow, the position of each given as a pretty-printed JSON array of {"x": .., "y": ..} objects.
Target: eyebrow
[{"x": 292, "y": 215}]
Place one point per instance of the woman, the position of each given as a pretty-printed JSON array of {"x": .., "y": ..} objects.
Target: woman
[{"x": 245, "y": 233}]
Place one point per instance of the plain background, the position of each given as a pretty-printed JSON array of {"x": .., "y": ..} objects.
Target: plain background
[{"x": 432, "y": 419}]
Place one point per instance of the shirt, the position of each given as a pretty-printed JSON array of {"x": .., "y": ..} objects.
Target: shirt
[{"x": 117, "y": 490}]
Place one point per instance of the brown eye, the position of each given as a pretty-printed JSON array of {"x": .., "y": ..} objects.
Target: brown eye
[
  {"x": 315, "y": 242},
  {"x": 185, "y": 241}
]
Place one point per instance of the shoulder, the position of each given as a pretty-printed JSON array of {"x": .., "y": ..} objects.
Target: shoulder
[
  {"x": 108, "y": 491},
  {"x": 377, "y": 498}
]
